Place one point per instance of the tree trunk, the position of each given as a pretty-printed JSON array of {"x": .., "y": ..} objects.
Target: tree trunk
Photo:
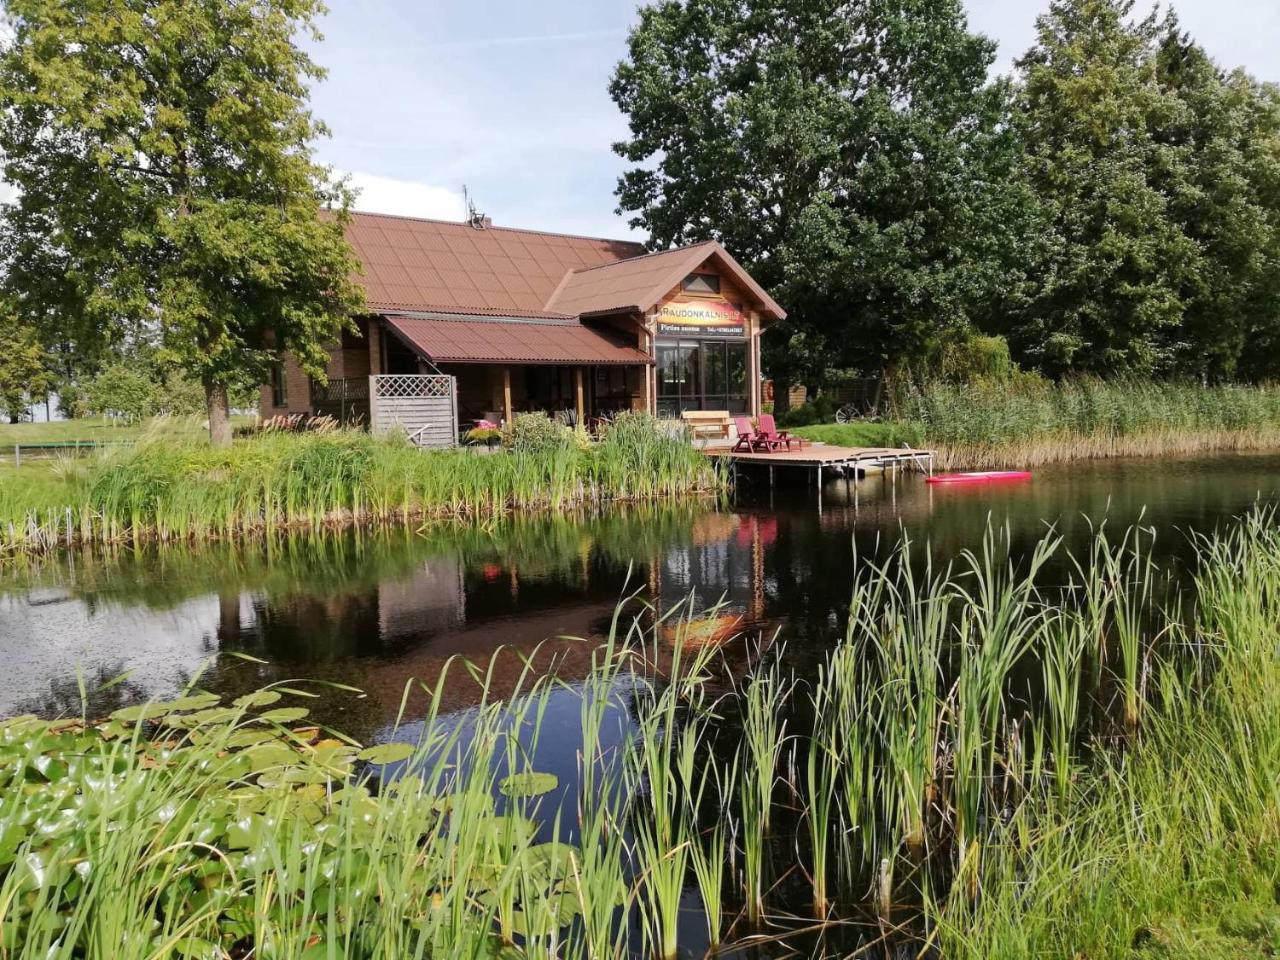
[{"x": 215, "y": 395}]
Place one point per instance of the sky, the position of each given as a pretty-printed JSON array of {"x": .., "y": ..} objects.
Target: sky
[{"x": 510, "y": 98}]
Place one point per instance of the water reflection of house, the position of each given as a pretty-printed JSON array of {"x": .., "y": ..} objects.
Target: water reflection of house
[
  {"x": 433, "y": 598},
  {"x": 723, "y": 563}
]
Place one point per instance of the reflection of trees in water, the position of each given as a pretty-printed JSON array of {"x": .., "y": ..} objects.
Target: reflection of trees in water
[{"x": 63, "y": 698}]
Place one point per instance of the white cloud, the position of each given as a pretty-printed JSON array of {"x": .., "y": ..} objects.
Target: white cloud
[
  {"x": 409, "y": 198},
  {"x": 8, "y": 192}
]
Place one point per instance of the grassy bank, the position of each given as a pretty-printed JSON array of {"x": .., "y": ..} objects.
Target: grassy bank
[
  {"x": 982, "y": 764},
  {"x": 103, "y": 430},
  {"x": 171, "y": 490},
  {"x": 1032, "y": 422}
]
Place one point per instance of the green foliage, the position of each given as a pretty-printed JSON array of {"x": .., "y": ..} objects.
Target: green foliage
[
  {"x": 25, "y": 373},
  {"x": 233, "y": 825},
  {"x": 172, "y": 489},
  {"x": 488, "y": 435},
  {"x": 1169, "y": 848},
  {"x": 862, "y": 434},
  {"x": 133, "y": 390},
  {"x": 856, "y": 158},
  {"x": 976, "y": 357},
  {"x": 1112, "y": 210},
  {"x": 536, "y": 433},
  {"x": 163, "y": 182},
  {"x": 124, "y": 391},
  {"x": 1046, "y": 829},
  {"x": 820, "y": 409},
  {"x": 1158, "y": 175},
  {"x": 996, "y": 412}
]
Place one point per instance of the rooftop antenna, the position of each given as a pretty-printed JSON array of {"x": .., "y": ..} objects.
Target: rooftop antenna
[{"x": 475, "y": 218}]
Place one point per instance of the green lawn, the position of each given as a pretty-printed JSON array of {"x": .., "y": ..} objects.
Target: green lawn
[
  {"x": 861, "y": 434},
  {"x": 102, "y": 431}
]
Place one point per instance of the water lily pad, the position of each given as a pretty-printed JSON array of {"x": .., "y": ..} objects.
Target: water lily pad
[
  {"x": 530, "y": 784},
  {"x": 284, "y": 714},
  {"x": 143, "y": 711},
  {"x": 386, "y": 753},
  {"x": 262, "y": 698}
]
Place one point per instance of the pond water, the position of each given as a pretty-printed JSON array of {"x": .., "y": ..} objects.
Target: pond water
[
  {"x": 376, "y": 610},
  {"x": 381, "y": 613}
]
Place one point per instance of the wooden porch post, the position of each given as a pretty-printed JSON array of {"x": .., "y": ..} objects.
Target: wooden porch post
[
  {"x": 753, "y": 364},
  {"x": 577, "y": 392},
  {"x": 646, "y": 374},
  {"x": 506, "y": 393}
]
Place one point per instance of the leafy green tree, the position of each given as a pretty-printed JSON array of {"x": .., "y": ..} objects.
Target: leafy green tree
[
  {"x": 855, "y": 156},
  {"x": 1109, "y": 299},
  {"x": 167, "y": 185},
  {"x": 1226, "y": 196},
  {"x": 122, "y": 390},
  {"x": 1159, "y": 176},
  {"x": 25, "y": 373}
]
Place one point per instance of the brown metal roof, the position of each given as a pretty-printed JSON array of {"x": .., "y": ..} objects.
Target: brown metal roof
[
  {"x": 412, "y": 264},
  {"x": 445, "y": 338},
  {"x": 637, "y": 284}
]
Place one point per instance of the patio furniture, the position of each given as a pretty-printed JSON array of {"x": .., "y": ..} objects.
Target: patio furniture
[
  {"x": 769, "y": 429},
  {"x": 708, "y": 423},
  {"x": 752, "y": 441}
]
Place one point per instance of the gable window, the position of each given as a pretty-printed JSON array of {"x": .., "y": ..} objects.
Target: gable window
[
  {"x": 279, "y": 386},
  {"x": 702, "y": 283}
]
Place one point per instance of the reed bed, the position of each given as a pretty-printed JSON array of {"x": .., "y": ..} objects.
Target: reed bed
[
  {"x": 175, "y": 491},
  {"x": 964, "y": 772},
  {"x": 1027, "y": 422}
]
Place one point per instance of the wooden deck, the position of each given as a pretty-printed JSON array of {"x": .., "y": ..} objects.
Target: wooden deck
[
  {"x": 819, "y": 457},
  {"x": 825, "y": 455}
]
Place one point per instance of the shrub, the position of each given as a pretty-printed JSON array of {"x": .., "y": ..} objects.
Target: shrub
[
  {"x": 124, "y": 391},
  {"x": 821, "y": 409},
  {"x": 481, "y": 435},
  {"x": 536, "y": 433}
]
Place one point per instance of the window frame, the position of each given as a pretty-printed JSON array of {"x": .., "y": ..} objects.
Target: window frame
[
  {"x": 279, "y": 385},
  {"x": 711, "y": 280}
]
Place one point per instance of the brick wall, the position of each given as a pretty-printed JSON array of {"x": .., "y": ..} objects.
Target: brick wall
[{"x": 349, "y": 358}]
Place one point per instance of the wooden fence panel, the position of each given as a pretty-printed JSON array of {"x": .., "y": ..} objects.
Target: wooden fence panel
[{"x": 423, "y": 406}]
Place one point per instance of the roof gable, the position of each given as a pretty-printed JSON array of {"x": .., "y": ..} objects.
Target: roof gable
[{"x": 639, "y": 283}]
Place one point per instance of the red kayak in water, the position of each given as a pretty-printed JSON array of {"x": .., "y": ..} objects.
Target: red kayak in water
[{"x": 986, "y": 476}]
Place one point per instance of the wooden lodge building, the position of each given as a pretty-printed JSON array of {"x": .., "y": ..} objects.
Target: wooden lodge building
[{"x": 526, "y": 320}]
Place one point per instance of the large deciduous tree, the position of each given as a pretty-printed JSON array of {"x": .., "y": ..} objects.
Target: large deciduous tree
[
  {"x": 162, "y": 153},
  {"x": 25, "y": 372},
  {"x": 1226, "y": 197},
  {"x": 1158, "y": 174},
  {"x": 853, "y": 153}
]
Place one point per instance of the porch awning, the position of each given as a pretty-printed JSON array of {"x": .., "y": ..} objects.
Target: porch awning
[{"x": 459, "y": 338}]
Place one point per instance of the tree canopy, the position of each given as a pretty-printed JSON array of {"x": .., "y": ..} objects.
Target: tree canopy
[
  {"x": 1113, "y": 207},
  {"x": 853, "y": 155},
  {"x": 1151, "y": 166},
  {"x": 162, "y": 153}
]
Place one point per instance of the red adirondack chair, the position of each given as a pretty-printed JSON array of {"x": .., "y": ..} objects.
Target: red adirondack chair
[
  {"x": 769, "y": 431},
  {"x": 751, "y": 440}
]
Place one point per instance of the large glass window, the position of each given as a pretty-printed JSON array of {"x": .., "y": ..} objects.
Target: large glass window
[{"x": 701, "y": 375}]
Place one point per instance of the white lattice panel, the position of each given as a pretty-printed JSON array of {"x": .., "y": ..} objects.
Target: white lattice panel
[{"x": 393, "y": 386}]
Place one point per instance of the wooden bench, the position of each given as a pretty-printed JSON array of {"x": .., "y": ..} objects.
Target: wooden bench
[{"x": 708, "y": 423}]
